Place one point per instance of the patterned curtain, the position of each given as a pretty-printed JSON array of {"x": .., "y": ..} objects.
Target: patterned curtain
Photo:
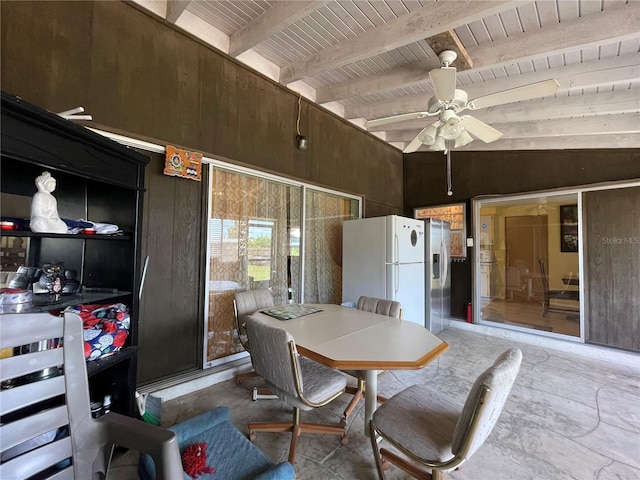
[
  {"x": 324, "y": 214},
  {"x": 249, "y": 233}
]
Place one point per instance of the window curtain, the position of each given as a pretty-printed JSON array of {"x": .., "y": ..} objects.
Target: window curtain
[
  {"x": 324, "y": 214},
  {"x": 239, "y": 201}
]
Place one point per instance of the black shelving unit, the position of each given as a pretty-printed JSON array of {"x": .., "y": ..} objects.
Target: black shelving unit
[{"x": 97, "y": 180}]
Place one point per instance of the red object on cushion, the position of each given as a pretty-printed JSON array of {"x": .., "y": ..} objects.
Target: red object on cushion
[{"x": 194, "y": 460}]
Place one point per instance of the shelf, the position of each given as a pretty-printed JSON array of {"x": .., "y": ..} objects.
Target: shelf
[
  {"x": 96, "y": 366},
  {"x": 95, "y": 236},
  {"x": 42, "y": 302}
]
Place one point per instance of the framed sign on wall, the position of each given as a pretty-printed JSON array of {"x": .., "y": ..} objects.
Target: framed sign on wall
[
  {"x": 569, "y": 228},
  {"x": 455, "y": 215}
]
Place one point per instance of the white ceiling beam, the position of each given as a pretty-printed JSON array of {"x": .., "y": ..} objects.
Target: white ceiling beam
[
  {"x": 434, "y": 18},
  {"x": 519, "y": 47},
  {"x": 175, "y": 8},
  {"x": 277, "y": 18},
  {"x": 614, "y": 24},
  {"x": 618, "y": 124},
  {"x": 396, "y": 78},
  {"x": 597, "y": 73},
  {"x": 604, "y": 103},
  {"x": 631, "y": 140}
]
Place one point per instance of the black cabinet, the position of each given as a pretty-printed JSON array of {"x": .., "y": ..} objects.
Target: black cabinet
[{"x": 97, "y": 180}]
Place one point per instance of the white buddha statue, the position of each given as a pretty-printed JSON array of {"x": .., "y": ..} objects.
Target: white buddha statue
[{"x": 44, "y": 207}]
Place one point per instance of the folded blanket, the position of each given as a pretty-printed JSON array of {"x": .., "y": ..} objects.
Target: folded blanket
[{"x": 106, "y": 328}]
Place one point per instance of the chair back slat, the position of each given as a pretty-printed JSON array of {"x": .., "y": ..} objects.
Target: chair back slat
[
  {"x": 14, "y": 399},
  {"x": 30, "y": 463},
  {"x": 485, "y": 402},
  {"x": 20, "y": 431},
  {"x": 19, "y": 366}
]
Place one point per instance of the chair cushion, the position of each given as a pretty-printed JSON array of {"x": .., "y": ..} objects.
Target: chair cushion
[
  {"x": 320, "y": 383},
  {"x": 419, "y": 420},
  {"x": 228, "y": 451}
]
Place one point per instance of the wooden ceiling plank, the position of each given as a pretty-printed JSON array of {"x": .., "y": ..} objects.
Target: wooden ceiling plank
[
  {"x": 430, "y": 20},
  {"x": 481, "y": 55},
  {"x": 608, "y": 71},
  {"x": 616, "y": 24},
  {"x": 279, "y": 17}
]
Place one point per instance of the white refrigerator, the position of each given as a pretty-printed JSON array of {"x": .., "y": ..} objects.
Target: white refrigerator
[
  {"x": 383, "y": 257},
  {"x": 437, "y": 234}
]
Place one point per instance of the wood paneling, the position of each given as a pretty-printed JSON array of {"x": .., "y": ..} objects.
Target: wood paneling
[
  {"x": 138, "y": 75},
  {"x": 612, "y": 241},
  {"x": 171, "y": 318},
  {"x": 483, "y": 173}
]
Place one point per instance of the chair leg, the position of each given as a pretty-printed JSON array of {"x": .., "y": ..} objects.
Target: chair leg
[
  {"x": 262, "y": 394},
  {"x": 358, "y": 393},
  {"x": 241, "y": 376},
  {"x": 380, "y": 467},
  {"x": 409, "y": 467},
  {"x": 296, "y": 428}
]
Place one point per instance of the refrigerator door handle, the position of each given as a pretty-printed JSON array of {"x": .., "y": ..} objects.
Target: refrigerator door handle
[
  {"x": 396, "y": 247},
  {"x": 396, "y": 287}
]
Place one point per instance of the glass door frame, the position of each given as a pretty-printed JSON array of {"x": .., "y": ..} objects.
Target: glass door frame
[
  {"x": 487, "y": 200},
  {"x": 211, "y": 163}
]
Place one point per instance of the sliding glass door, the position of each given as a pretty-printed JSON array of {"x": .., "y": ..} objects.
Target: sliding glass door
[
  {"x": 257, "y": 240},
  {"x": 528, "y": 263}
]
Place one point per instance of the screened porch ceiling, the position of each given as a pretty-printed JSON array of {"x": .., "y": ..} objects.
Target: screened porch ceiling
[{"x": 365, "y": 60}]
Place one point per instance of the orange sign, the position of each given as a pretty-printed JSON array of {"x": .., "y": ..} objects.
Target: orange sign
[{"x": 180, "y": 163}]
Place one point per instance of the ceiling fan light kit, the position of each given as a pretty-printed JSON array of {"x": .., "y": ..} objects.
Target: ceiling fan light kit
[{"x": 448, "y": 101}]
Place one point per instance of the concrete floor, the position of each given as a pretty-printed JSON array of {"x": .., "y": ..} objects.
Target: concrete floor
[{"x": 570, "y": 416}]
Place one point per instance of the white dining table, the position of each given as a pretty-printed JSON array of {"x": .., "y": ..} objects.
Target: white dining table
[{"x": 350, "y": 339}]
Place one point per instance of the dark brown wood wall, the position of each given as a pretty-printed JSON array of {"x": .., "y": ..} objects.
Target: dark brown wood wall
[
  {"x": 142, "y": 77},
  {"x": 612, "y": 229},
  {"x": 484, "y": 173}
]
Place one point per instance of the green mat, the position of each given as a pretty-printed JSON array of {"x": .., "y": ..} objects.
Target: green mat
[{"x": 287, "y": 312}]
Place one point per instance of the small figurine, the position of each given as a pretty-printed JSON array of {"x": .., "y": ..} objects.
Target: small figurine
[{"x": 44, "y": 207}]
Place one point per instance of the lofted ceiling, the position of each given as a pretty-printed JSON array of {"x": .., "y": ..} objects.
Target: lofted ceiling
[{"x": 368, "y": 59}]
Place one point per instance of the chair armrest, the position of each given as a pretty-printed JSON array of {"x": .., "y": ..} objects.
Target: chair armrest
[
  {"x": 161, "y": 444},
  {"x": 281, "y": 471}
]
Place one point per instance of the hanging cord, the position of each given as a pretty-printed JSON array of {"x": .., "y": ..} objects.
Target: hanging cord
[
  {"x": 449, "y": 186},
  {"x": 299, "y": 109}
]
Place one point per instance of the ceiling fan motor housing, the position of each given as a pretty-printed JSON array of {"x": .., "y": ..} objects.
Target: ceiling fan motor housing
[{"x": 458, "y": 103}]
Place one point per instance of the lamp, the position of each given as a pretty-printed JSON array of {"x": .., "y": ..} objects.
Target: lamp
[
  {"x": 428, "y": 135},
  {"x": 301, "y": 141},
  {"x": 438, "y": 144},
  {"x": 463, "y": 139},
  {"x": 451, "y": 127}
]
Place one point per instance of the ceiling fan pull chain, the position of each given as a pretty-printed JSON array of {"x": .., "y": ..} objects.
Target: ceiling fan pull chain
[{"x": 449, "y": 186}]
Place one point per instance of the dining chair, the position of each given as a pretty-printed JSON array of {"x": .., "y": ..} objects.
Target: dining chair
[
  {"x": 48, "y": 430},
  {"x": 389, "y": 308},
  {"x": 549, "y": 294},
  {"x": 301, "y": 382},
  {"x": 432, "y": 432},
  {"x": 244, "y": 304}
]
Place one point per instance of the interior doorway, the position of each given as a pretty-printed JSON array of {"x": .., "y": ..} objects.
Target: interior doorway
[{"x": 527, "y": 278}]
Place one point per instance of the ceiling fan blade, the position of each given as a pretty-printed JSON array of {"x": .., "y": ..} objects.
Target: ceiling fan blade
[
  {"x": 443, "y": 81},
  {"x": 484, "y": 132},
  {"x": 395, "y": 118},
  {"x": 415, "y": 144},
  {"x": 526, "y": 92}
]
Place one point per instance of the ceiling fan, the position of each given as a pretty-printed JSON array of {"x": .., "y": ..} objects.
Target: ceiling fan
[{"x": 448, "y": 102}]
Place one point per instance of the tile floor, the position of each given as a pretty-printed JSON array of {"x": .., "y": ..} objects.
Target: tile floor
[{"x": 569, "y": 417}]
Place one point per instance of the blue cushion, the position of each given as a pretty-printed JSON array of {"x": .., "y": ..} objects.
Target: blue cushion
[{"x": 228, "y": 451}]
